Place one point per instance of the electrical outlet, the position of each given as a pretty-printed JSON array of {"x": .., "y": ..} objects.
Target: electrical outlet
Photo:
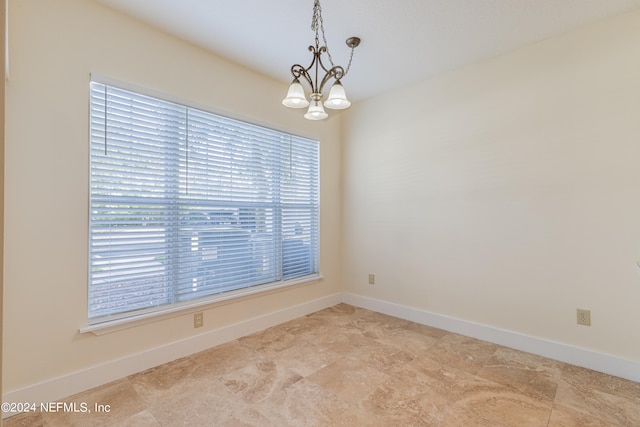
[
  {"x": 584, "y": 317},
  {"x": 372, "y": 279},
  {"x": 198, "y": 320}
]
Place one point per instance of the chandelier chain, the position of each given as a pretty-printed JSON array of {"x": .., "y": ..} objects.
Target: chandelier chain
[{"x": 317, "y": 19}]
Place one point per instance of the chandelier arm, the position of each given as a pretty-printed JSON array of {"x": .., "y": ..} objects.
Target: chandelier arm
[
  {"x": 336, "y": 72},
  {"x": 316, "y": 54},
  {"x": 298, "y": 71},
  {"x": 321, "y": 50}
]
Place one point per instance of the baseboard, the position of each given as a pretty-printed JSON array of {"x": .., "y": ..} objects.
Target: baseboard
[
  {"x": 61, "y": 387},
  {"x": 554, "y": 350}
]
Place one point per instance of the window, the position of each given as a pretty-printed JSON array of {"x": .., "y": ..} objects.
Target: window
[{"x": 185, "y": 204}]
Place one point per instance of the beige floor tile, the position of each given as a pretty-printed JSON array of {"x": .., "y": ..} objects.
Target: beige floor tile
[
  {"x": 563, "y": 416},
  {"x": 464, "y": 353},
  {"x": 260, "y": 380},
  {"x": 397, "y": 402},
  {"x": 381, "y": 357},
  {"x": 497, "y": 405},
  {"x": 141, "y": 419},
  {"x": 269, "y": 342},
  {"x": 348, "y": 379},
  {"x": 222, "y": 359},
  {"x": 407, "y": 340},
  {"x": 357, "y": 417},
  {"x": 303, "y": 404},
  {"x": 523, "y": 371},
  {"x": 344, "y": 340},
  {"x": 612, "y": 408},
  {"x": 206, "y": 407},
  {"x": 29, "y": 419},
  {"x": 307, "y": 358},
  {"x": 164, "y": 382},
  {"x": 118, "y": 401},
  {"x": 425, "y": 330},
  {"x": 385, "y": 319},
  {"x": 585, "y": 378},
  {"x": 449, "y": 382},
  {"x": 338, "y": 314},
  {"x": 249, "y": 418},
  {"x": 308, "y": 328}
]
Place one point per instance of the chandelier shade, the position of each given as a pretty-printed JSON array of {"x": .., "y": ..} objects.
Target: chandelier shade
[
  {"x": 337, "y": 97},
  {"x": 295, "y": 96},
  {"x": 310, "y": 76},
  {"x": 316, "y": 110}
]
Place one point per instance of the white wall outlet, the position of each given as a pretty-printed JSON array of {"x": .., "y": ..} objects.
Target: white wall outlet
[
  {"x": 198, "y": 320},
  {"x": 372, "y": 279},
  {"x": 584, "y": 317}
]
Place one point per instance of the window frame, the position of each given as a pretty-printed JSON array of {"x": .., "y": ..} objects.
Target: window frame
[{"x": 120, "y": 321}]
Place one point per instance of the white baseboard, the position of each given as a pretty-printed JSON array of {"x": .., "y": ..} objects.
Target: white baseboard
[
  {"x": 600, "y": 362},
  {"x": 61, "y": 387}
]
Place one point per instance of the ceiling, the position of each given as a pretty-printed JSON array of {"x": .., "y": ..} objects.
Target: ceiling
[{"x": 403, "y": 41}]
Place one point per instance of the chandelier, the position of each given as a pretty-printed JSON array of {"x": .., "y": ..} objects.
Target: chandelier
[{"x": 337, "y": 99}]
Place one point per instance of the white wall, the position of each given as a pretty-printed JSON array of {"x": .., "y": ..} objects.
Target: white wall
[
  {"x": 506, "y": 193},
  {"x": 54, "y": 46}
]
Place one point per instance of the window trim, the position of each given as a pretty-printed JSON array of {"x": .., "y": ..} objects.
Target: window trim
[{"x": 205, "y": 303}]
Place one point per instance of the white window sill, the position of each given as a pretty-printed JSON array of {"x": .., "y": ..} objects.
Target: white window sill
[{"x": 200, "y": 305}]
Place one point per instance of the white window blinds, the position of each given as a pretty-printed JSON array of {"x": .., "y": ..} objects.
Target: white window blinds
[{"x": 186, "y": 204}]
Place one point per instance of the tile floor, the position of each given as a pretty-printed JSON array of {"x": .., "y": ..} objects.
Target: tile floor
[{"x": 346, "y": 366}]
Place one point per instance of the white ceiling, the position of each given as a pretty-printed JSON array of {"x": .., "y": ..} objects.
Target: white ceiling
[{"x": 403, "y": 41}]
